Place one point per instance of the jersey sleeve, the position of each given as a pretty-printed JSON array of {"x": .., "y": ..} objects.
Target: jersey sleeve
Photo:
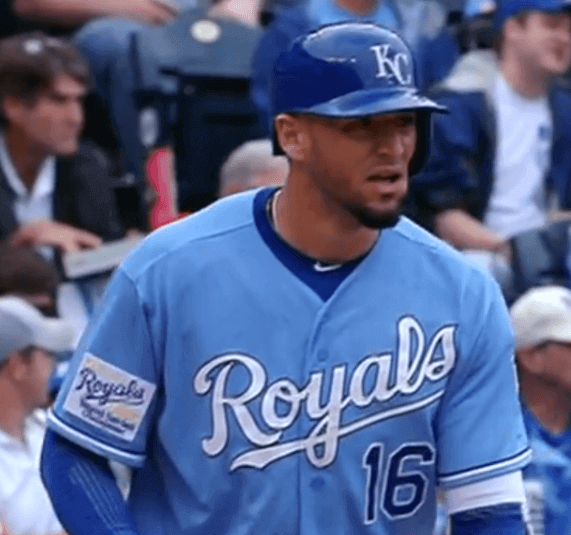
[
  {"x": 106, "y": 403},
  {"x": 480, "y": 429}
]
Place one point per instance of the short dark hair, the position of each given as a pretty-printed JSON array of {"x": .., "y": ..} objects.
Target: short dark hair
[
  {"x": 30, "y": 61},
  {"x": 521, "y": 19},
  {"x": 24, "y": 271}
]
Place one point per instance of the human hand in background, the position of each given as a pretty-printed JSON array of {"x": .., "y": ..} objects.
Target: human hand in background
[
  {"x": 155, "y": 12},
  {"x": 504, "y": 249},
  {"x": 65, "y": 238}
]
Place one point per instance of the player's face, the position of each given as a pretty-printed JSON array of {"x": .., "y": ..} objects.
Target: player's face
[
  {"x": 544, "y": 42},
  {"x": 362, "y": 164}
]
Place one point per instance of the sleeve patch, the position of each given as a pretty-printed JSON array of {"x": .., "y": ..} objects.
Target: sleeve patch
[{"x": 108, "y": 398}]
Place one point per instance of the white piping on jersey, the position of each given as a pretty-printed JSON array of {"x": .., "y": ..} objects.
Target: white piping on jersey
[
  {"x": 516, "y": 462},
  {"x": 131, "y": 459},
  {"x": 507, "y": 488},
  {"x": 415, "y": 360}
]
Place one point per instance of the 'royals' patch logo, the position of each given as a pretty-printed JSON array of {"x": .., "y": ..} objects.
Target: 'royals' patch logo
[
  {"x": 108, "y": 398},
  {"x": 414, "y": 362}
]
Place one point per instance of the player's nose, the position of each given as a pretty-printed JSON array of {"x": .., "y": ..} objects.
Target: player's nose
[{"x": 391, "y": 146}]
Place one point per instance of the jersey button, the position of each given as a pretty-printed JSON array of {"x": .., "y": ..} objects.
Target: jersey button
[
  {"x": 317, "y": 483},
  {"x": 322, "y": 355}
]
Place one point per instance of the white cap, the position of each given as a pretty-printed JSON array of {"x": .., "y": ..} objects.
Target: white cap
[
  {"x": 23, "y": 325},
  {"x": 541, "y": 315}
]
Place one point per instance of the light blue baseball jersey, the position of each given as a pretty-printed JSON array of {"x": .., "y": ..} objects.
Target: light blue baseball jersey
[
  {"x": 254, "y": 405},
  {"x": 547, "y": 479}
]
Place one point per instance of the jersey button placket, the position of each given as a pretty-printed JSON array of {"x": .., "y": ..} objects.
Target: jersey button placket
[
  {"x": 322, "y": 354},
  {"x": 317, "y": 484}
]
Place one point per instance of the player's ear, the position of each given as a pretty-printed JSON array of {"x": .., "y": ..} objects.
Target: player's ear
[{"x": 293, "y": 136}]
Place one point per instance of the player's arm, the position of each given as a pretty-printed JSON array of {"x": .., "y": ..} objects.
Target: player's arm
[
  {"x": 501, "y": 519},
  {"x": 481, "y": 411},
  {"x": 83, "y": 490},
  {"x": 490, "y": 507},
  {"x": 117, "y": 350}
]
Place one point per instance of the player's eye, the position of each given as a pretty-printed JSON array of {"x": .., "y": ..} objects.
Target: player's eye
[
  {"x": 407, "y": 120},
  {"x": 357, "y": 126}
]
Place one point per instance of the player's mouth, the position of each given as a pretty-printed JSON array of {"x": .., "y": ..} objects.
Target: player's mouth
[
  {"x": 390, "y": 175},
  {"x": 385, "y": 178}
]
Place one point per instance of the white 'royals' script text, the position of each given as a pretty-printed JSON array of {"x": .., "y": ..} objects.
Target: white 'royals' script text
[{"x": 415, "y": 363}]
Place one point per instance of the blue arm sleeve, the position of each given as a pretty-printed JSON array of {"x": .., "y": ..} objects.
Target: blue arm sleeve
[
  {"x": 501, "y": 519},
  {"x": 83, "y": 490}
]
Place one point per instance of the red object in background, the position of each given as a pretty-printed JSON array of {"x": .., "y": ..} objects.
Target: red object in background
[{"x": 161, "y": 187}]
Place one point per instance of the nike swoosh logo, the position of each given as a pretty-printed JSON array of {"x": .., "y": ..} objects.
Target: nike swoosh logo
[{"x": 323, "y": 268}]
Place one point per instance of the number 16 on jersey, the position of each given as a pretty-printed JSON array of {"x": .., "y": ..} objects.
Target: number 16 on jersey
[{"x": 400, "y": 489}]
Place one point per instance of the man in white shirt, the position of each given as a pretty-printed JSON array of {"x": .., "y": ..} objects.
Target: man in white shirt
[
  {"x": 499, "y": 164},
  {"x": 29, "y": 345}
]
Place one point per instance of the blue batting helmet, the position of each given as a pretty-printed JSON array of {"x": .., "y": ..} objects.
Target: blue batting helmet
[{"x": 350, "y": 70}]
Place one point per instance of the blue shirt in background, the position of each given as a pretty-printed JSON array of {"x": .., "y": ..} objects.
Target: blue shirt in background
[{"x": 547, "y": 479}]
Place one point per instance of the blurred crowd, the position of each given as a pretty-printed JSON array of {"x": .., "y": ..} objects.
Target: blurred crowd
[{"x": 117, "y": 118}]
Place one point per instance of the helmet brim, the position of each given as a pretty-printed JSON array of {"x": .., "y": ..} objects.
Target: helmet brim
[{"x": 368, "y": 102}]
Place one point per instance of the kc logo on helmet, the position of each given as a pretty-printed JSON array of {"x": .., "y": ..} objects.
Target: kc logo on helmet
[{"x": 394, "y": 66}]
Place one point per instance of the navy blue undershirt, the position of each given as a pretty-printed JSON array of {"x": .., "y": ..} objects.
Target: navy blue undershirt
[{"x": 323, "y": 283}]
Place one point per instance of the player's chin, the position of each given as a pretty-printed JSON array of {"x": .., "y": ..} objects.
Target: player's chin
[{"x": 378, "y": 218}]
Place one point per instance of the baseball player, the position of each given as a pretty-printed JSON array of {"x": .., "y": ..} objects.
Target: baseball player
[{"x": 300, "y": 360}]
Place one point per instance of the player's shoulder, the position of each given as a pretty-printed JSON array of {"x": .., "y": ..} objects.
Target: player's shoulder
[
  {"x": 425, "y": 241},
  {"x": 218, "y": 221},
  {"x": 436, "y": 253}
]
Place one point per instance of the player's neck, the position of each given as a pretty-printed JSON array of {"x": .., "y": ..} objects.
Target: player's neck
[
  {"x": 317, "y": 228},
  {"x": 551, "y": 406}
]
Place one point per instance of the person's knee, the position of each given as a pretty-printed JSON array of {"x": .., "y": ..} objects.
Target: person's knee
[{"x": 101, "y": 40}]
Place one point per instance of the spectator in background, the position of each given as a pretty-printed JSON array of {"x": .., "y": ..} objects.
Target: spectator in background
[
  {"x": 541, "y": 320},
  {"x": 29, "y": 343},
  {"x": 471, "y": 29},
  {"x": 252, "y": 165},
  {"x": 54, "y": 191},
  {"x": 25, "y": 273},
  {"x": 500, "y": 160},
  {"x": 74, "y": 13},
  {"x": 416, "y": 20},
  {"x": 106, "y": 41}
]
